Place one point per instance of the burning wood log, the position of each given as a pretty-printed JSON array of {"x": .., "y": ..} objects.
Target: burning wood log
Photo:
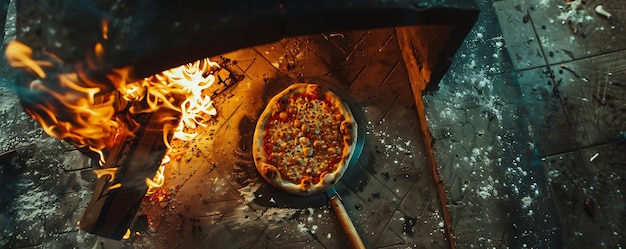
[
  {"x": 118, "y": 194},
  {"x": 126, "y": 125}
]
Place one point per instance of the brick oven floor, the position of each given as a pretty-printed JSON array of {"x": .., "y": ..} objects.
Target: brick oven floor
[
  {"x": 216, "y": 197},
  {"x": 528, "y": 125}
]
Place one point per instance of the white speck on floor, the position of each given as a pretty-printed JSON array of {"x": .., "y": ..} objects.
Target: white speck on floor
[
  {"x": 278, "y": 214},
  {"x": 526, "y": 202},
  {"x": 248, "y": 191},
  {"x": 487, "y": 191},
  {"x": 302, "y": 228}
]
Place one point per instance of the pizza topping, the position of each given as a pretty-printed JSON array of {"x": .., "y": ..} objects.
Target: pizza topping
[
  {"x": 304, "y": 139},
  {"x": 302, "y": 118}
]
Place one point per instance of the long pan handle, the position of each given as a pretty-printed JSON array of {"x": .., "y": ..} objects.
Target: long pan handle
[{"x": 346, "y": 223}]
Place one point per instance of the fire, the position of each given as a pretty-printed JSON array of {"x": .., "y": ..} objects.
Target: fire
[
  {"x": 105, "y": 172},
  {"x": 189, "y": 80},
  {"x": 105, "y": 29},
  {"x": 20, "y": 56},
  {"x": 110, "y": 172},
  {"x": 159, "y": 178},
  {"x": 68, "y": 105},
  {"x": 95, "y": 115},
  {"x": 97, "y": 108}
]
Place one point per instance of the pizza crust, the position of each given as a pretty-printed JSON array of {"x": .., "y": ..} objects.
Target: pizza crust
[{"x": 307, "y": 185}]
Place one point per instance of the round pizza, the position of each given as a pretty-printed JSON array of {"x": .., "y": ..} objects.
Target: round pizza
[{"x": 304, "y": 139}]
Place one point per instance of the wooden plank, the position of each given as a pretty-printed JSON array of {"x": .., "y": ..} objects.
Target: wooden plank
[
  {"x": 418, "y": 62},
  {"x": 111, "y": 210},
  {"x": 422, "y": 49}
]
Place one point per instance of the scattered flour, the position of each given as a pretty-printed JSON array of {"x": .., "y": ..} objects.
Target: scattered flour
[
  {"x": 487, "y": 191},
  {"x": 35, "y": 203},
  {"x": 393, "y": 146},
  {"x": 302, "y": 228},
  {"x": 248, "y": 191},
  {"x": 526, "y": 202},
  {"x": 575, "y": 12},
  {"x": 278, "y": 214}
]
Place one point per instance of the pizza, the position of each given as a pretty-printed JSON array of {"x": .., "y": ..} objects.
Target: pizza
[{"x": 304, "y": 139}]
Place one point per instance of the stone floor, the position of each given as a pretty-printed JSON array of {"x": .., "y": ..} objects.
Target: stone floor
[
  {"x": 530, "y": 123},
  {"x": 529, "y": 127}
]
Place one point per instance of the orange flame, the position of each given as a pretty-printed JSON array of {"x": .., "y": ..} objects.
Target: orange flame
[
  {"x": 68, "y": 105},
  {"x": 89, "y": 113},
  {"x": 159, "y": 178},
  {"x": 86, "y": 112},
  {"x": 105, "y": 29},
  {"x": 105, "y": 172},
  {"x": 20, "y": 56}
]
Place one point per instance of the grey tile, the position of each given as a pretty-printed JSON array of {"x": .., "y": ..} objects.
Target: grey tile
[
  {"x": 551, "y": 127},
  {"x": 418, "y": 231},
  {"x": 594, "y": 96},
  {"x": 419, "y": 202},
  {"x": 519, "y": 35},
  {"x": 484, "y": 47},
  {"x": 589, "y": 195},
  {"x": 569, "y": 31},
  {"x": 464, "y": 89},
  {"x": 389, "y": 239}
]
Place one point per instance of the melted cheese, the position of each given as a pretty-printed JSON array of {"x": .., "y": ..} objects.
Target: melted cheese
[{"x": 306, "y": 138}]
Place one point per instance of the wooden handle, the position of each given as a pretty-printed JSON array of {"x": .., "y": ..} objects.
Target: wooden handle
[{"x": 346, "y": 223}]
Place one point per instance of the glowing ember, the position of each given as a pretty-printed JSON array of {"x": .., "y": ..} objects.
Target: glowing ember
[
  {"x": 127, "y": 235},
  {"x": 105, "y": 29}
]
